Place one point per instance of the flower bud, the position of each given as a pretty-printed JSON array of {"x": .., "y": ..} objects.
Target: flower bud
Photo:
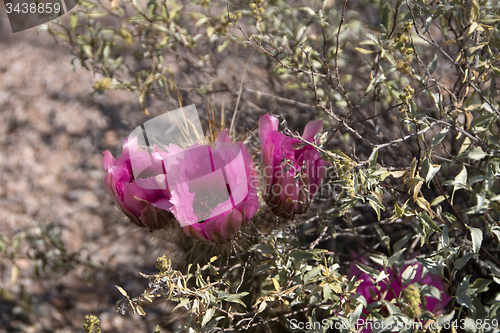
[{"x": 293, "y": 170}]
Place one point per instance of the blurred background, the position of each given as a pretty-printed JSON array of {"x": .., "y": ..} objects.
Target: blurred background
[{"x": 64, "y": 244}]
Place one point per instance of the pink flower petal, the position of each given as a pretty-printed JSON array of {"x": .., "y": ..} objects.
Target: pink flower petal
[{"x": 312, "y": 128}]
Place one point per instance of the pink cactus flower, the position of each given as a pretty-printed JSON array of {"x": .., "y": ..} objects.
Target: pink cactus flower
[
  {"x": 145, "y": 198},
  {"x": 435, "y": 306},
  {"x": 286, "y": 193},
  {"x": 214, "y": 189}
]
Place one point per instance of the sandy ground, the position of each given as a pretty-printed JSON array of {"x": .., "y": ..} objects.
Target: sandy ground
[{"x": 52, "y": 135}]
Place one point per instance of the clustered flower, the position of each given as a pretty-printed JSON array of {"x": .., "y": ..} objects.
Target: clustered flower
[
  {"x": 211, "y": 190},
  {"x": 414, "y": 304}
]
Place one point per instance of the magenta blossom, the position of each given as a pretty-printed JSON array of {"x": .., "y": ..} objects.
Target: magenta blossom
[
  {"x": 145, "y": 198},
  {"x": 435, "y": 306},
  {"x": 213, "y": 188},
  {"x": 291, "y": 185}
]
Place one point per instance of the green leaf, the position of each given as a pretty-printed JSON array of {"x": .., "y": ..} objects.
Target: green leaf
[
  {"x": 381, "y": 276},
  {"x": 122, "y": 291},
  {"x": 476, "y": 154},
  {"x": 445, "y": 319},
  {"x": 481, "y": 285},
  {"x": 375, "y": 204},
  {"x": 392, "y": 259},
  {"x": 445, "y": 239},
  {"x": 393, "y": 309},
  {"x": 439, "y": 137},
  {"x": 328, "y": 292},
  {"x": 378, "y": 259},
  {"x": 480, "y": 202},
  {"x": 262, "y": 248},
  {"x": 223, "y": 46},
  {"x": 368, "y": 270},
  {"x": 87, "y": 49},
  {"x": 460, "y": 181},
  {"x": 373, "y": 161},
  {"x": 428, "y": 170},
  {"x": 432, "y": 66},
  {"x": 73, "y": 21},
  {"x": 234, "y": 298},
  {"x": 308, "y": 10},
  {"x": 210, "y": 31},
  {"x": 208, "y": 315},
  {"x": 437, "y": 200},
  {"x": 399, "y": 244},
  {"x": 477, "y": 238},
  {"x": 426, "y": 219},
  {"x": 303, "y": 255},
  {"x": 182, "y": 303},
  {"x": 495, "y": 270},
  {"x": 435, "y": 267},
  {"x": 430, "y": 291},
  {"x": 465, "y": 300},
  {"x": 355, "y": 315},
  {"x": 464, "y": 285},
  {"x": 385, "y": 16},
  {"x": 461, "y": 262},
  {"x": 313, "y": 273},
  {"x": 408, "y": 275},
  {"x": 365, "y": 51}
]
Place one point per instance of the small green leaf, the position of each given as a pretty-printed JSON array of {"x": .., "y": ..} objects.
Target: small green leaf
[
  {"x": 437, "y": 200},
  {"x": 460, "y": 262},
  {"x": 431, "y": 291},
  {"x": 385, "y": 16},
  {"x": 429, "y": 170},
  {"x": 375, "y": 204},
  {"x": 476, "y": 154},
  {"x": 399, "y": 244},
  {"x": 87, "y": 49},
  {"x": 355, "y": 315},
  {"x": 445, "y": 319},
  {"x": 464, "y": 285},
  {"x": 368, "y": 270},
  {"x": 439, "y": 137},
  {"x": 392, "y": 259},
  {"x": 262, "y": 248},
  {"x": 445, "y": 239},
  {"x": 308, "y": 10},
  {"x": 460, "y": 181},
  {"x": 432, "y": 66},
  {"x": 373, "y": 161},
  {"x": 313, "y": 273},
  {"x": 73, "y": 21},
  {"x": 465, "y": 301},
  {"x": 381, "y": 276},
  {"x": 477, "y": 238},
  {"x": 481, "y": 285},
  {"x": 426, "y": 219},
  {"x": 208, "y": 315},
  {"x": 303, "y": 255},
  {"x": 408, "y": 275},
  {"x": 223, "y": 46},
  {"x": 122, "y": 291}
]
